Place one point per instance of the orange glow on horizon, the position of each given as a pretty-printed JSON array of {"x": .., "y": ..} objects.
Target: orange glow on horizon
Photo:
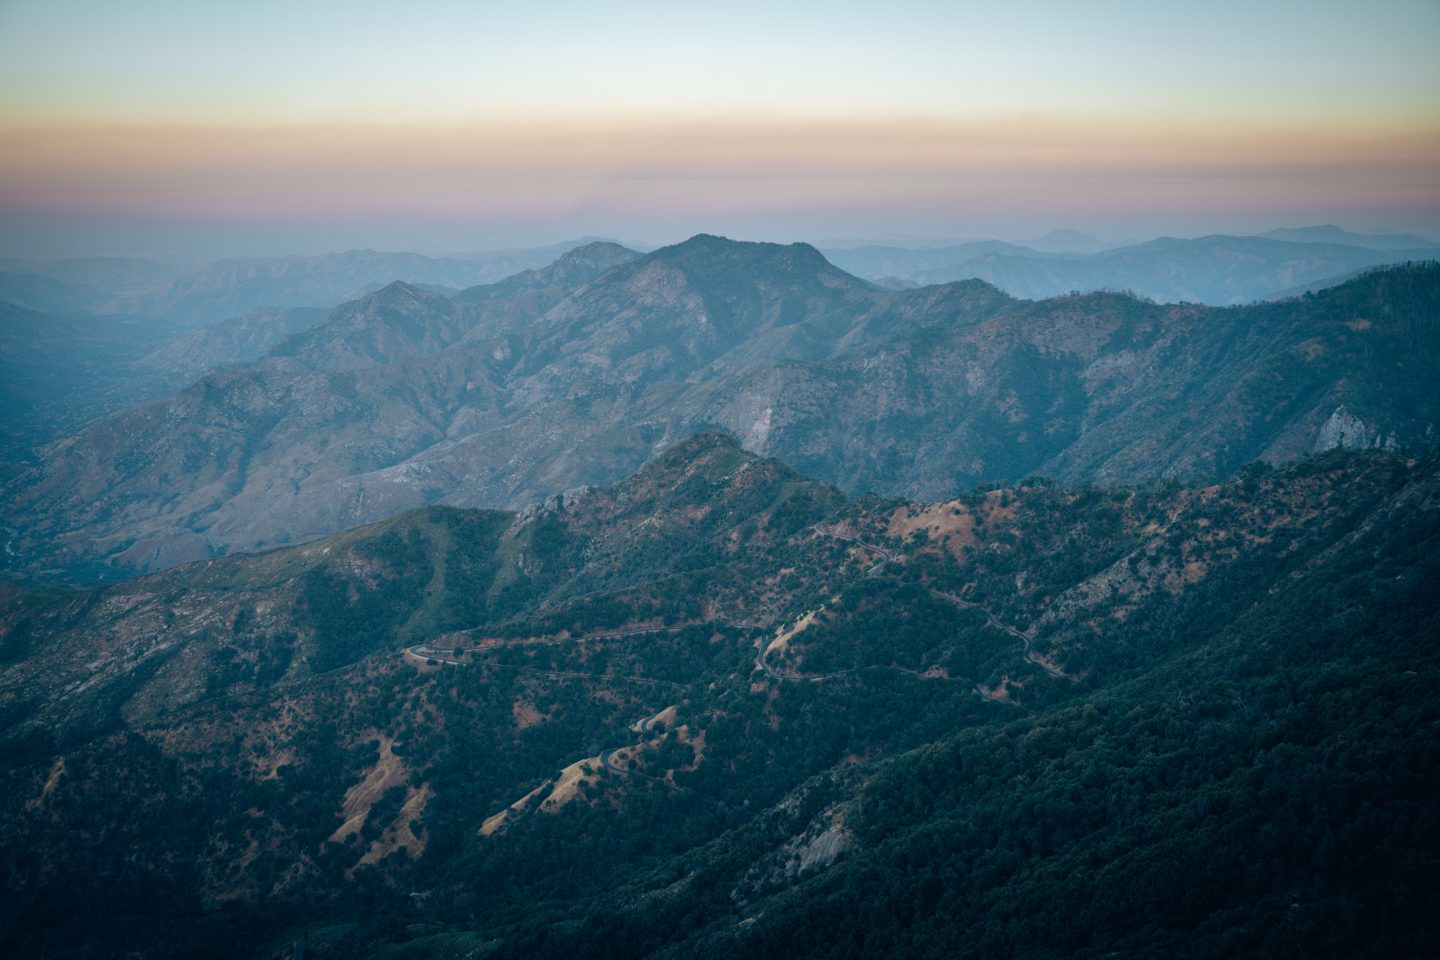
[{"x": 328, "y": 169}]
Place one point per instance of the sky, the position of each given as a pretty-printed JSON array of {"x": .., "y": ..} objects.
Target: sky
[{"x": 194, "y": 130}]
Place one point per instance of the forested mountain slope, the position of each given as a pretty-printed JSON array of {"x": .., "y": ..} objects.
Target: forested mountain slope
[{"x": 720, "y": 709}]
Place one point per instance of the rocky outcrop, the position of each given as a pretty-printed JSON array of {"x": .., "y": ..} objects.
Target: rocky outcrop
[{"x": 1345, "y": 431}]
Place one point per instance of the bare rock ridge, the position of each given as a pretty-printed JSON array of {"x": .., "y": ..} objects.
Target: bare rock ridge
[
  {"x": 1345, "y": 431},
  {"x": 577, "y": 373}
]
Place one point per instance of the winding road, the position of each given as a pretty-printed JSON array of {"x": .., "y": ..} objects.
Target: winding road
[
  {"x": 762, "y": 646},
  {"x": 1030, "y": 655},
  {"x": 887, "y": 556},
  {"x": 609, "y": 767},
  {"x": 424, "y": 654}
]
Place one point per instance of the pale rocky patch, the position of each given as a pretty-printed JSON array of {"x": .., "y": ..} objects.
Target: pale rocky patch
[
  {"x": 389, "y": 771},
  {"x": 562, "y": 790},
  {"x": 57, "y": 770},
  {"x": 401, "y": 833}
]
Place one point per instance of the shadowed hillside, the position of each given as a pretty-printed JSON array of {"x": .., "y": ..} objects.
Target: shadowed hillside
[{"x": 720, "y": 709}]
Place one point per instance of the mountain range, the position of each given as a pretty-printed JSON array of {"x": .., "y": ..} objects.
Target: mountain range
[
  {"x": 113, "y": 332},
  {"x": 1218, "y": 270},
  {"x": 720, "y": 709},
  {"x": 1331, "y": 234},
  {"x": 715, "y": 601},
  {"x": 229, "y": 288},
  {"x": 186, "y": 295},
  {"x": 81, "y": 284},
  {"x": 575, "y": 374},
  {"x": 105, "y": 333}
]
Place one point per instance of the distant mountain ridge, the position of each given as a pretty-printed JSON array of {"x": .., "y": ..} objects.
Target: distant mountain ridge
[
  {"x": 81, "y": 284},
  {"x": 397, "y": 321},
  {"x": 1336, "y": 235},
  {"x": 1070, "y": 241},
  {"x": 572, "y": 268},
  {"x": 405, "y": 398},
  {"x": 197, "y": 295},
  {"x": 229, "y": 288},
  {"x": 401, "y": 320},
  {"x": 187, "y": 295},
  {"x": 1218, "y": 270},
  {"x": 238, "y": 340}
]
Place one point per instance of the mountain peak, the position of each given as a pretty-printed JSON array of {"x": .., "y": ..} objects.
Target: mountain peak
[
  {"x": 571, "y": 269},
  {"x": 707, "y": 238},
  {"x": 398, "y": 320},
  {"x": 708, "y": 482},
  {"x": 396, "y": 289},
  {"x": 597, "y": 246},
  {"x": 700, "y": 443},
  {"x": 713, "y": 241},
  {"x": 1332, "y": 234},
  {"x": 711, "y": 452},
  {"x": 401, "y": 295},
  {"x": 597, "y": 252},
  {"x": 707, "y": 252}
]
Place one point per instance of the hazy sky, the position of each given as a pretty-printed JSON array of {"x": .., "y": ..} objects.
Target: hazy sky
[{"x": 203, "y": 128}]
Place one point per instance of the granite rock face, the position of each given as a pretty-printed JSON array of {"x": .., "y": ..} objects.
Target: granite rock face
[{"x": 1345, "y": 431}]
